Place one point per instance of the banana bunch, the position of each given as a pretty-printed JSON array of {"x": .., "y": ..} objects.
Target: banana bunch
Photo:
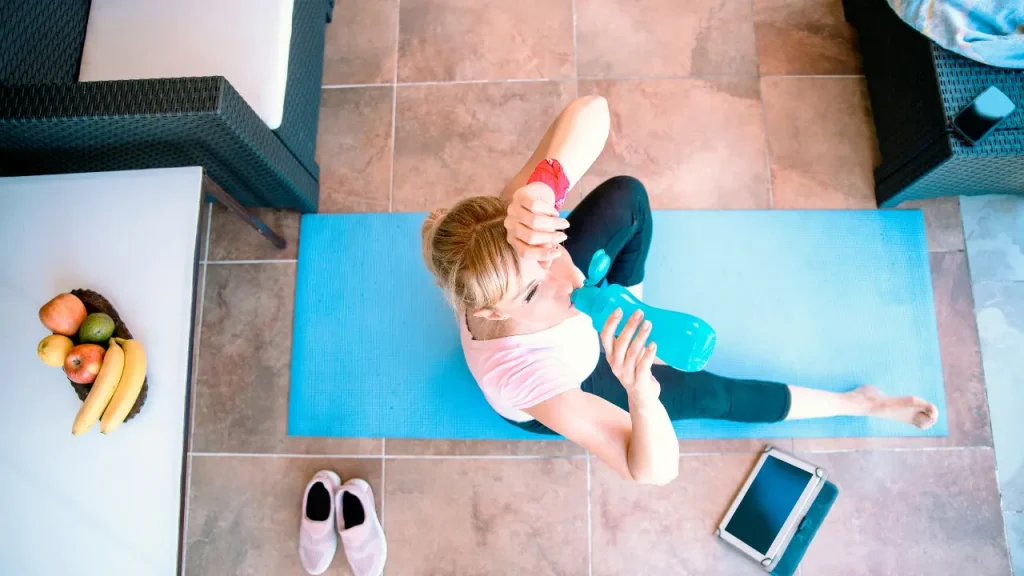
[{"x": 116, "y": 388}]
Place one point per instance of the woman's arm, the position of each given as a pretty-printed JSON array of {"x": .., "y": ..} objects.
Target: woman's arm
[
  {"x": 640, "y": 445},
  {"x": 575, "y": 139}
]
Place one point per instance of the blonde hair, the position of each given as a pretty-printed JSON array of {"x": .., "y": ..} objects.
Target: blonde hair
[{"x": 466, "y": 251}]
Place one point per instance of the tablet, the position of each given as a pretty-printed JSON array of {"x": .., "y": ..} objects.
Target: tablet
[{"x": 770, "y": 506}]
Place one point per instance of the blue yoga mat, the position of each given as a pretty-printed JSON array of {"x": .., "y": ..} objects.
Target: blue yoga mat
[{"x": 821, "y": 299}]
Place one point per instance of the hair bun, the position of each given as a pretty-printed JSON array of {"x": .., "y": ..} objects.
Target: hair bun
[
  {"x": 427, "y": 233},
  {"x": 432, "y": 221}
]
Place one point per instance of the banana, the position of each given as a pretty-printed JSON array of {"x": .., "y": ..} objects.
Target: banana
[
  {"x": 102, "y": 389},
  {"x": 129, "y": 386}
]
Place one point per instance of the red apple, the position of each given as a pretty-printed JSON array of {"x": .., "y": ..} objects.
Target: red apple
[
  {"x": 63, "y": 315},
  {"x": 83, "y": 363}
]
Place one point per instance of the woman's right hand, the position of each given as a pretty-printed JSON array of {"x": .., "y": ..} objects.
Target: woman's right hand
[
  {"x": 532, "y": 224},
  {"x": 629, "y": 355}
]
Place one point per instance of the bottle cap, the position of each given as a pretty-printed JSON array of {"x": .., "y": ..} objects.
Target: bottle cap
[{"x": 599, "y": 265}]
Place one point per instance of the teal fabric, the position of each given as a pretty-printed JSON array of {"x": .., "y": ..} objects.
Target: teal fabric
[{"x": 806, "y": 530}]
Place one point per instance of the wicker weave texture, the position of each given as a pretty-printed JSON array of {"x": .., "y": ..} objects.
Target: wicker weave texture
[
  {"x": 97, "y": 126},
  {"x": 305, "y": 76},
  {"x": 960, "y": 176},
  {"x": 41, "y": 40},
  {"x": 902, "y": 86}
]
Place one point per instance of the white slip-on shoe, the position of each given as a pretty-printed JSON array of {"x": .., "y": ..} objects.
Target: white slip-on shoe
[
  {"x": 361, "y": 533},
  {"x": 317, "y": 539}
]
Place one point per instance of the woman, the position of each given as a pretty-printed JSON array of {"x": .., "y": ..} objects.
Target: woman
[{"x": 508, "y": 265}]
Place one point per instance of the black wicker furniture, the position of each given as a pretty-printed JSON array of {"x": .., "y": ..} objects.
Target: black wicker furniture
[
  {"x": 52, "y": 123},
  {"x": 916, "y": 88}
]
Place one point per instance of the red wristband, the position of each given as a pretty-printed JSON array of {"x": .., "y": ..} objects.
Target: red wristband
[{"x": 550, "y": 172}]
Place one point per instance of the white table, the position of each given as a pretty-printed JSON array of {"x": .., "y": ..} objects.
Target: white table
[{"x": 95, "y": 504}]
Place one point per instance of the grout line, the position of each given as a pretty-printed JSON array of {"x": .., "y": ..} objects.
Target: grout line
[
  {"x": 764, "y": 124},
  {"x": 194, "y": 377},
  {"x": 390, "y": 456},
  {"x": 187, "y": 505},
  {"x": 566, "y": 457},
  {"x": 590, "y": 525},
  {"x": 812, "y": 76},
  {"x": 980, "y": 282},
  {"x": 383, "y": 470},
  {"x": 209, "y": 226},
  {"x": 281, "y": 261},
  {"x": 875, "y": 449},
  {"x": 199, "y": 338},
  {"x": 575, "y": 45},
  {"x": 578, "y": 77},
  {"x": 1006, "y": 539},
  {"x": 483, "y": 457},
  {"x": 499, "y": 81},
  {"x": 447, "y": 82},
  {"x": 373, "y": 85},
  {"x": 767, "y": 148},
  {"x": 576, "y": 59},
  {"x": 671, "y": 77},
  {"x": 394, "y": 114},
  {"x": 981, "y": 357},
  {"x": 268, "y": 455},
  {"x": 391, "y": 172}
]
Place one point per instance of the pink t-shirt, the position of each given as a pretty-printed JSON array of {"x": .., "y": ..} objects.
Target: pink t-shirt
[{"x": 519, "y": 372}]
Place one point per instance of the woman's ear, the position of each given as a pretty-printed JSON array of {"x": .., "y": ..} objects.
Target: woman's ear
[{"x": 489, "y": 314}]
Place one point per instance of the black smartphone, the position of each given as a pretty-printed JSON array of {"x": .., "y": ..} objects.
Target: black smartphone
[{"x": 983, "y": 114}]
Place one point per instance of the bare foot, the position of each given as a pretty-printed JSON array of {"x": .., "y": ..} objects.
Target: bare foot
[{"x": 910, "y": 409}]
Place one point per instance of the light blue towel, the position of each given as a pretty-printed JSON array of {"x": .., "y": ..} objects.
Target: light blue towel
[{"x": 989, "y": 31}]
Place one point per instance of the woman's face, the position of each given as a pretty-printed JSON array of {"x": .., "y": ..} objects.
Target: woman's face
[{"x": 542, "y": 296}]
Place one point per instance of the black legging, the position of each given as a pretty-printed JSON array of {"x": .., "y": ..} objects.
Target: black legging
[{"x": 616, "y": 216}]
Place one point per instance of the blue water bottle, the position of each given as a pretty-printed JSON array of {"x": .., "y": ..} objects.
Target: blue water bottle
[{"x": 684, "y": 342}]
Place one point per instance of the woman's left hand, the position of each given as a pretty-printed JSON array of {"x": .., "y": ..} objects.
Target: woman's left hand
[
  {"x": 630, "y": 356},
  {"x": 532, "y": 224}
]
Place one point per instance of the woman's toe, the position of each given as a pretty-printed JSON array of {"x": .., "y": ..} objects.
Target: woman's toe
[{"x": 927, "y": 416}]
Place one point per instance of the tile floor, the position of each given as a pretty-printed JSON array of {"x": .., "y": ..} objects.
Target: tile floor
[
  {"x": 715, "y": 104},
  {"x": 994, "y": 231}
]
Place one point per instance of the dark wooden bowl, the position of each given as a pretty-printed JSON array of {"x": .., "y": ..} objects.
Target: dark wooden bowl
[{"x": 95, "y": 302}]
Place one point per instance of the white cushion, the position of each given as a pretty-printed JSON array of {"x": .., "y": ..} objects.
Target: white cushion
[{"x": 246, "y": 41}]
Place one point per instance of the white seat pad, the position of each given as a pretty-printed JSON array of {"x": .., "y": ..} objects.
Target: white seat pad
[{"x": 246, "y": 41}]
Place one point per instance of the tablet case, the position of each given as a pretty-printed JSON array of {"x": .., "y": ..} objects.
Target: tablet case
[{"x": 806, "y": 530}]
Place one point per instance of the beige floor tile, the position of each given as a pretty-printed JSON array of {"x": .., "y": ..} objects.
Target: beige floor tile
[
  {"x": 485, "y": 40},
  {"x": 732, "y": 445},
  {"x": 245, "y": 358},
  {"x": 694, "y": 143},
  {"x": 232, "y": 238},
  {"x": 911, "y": 513},
  {"x": 361, "y": 43},
  {"x": 486, "y": 516},
  {"x": 821, "y": 141},
  {"x": 460, "y": 140},
  {"x": 804, "y": 37},
  {"x": 353, "y": 149},
  {"x": 244, "y": 513},
  {"x": 670, "y": 529},
  {"x": 665, "y": 38}
]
